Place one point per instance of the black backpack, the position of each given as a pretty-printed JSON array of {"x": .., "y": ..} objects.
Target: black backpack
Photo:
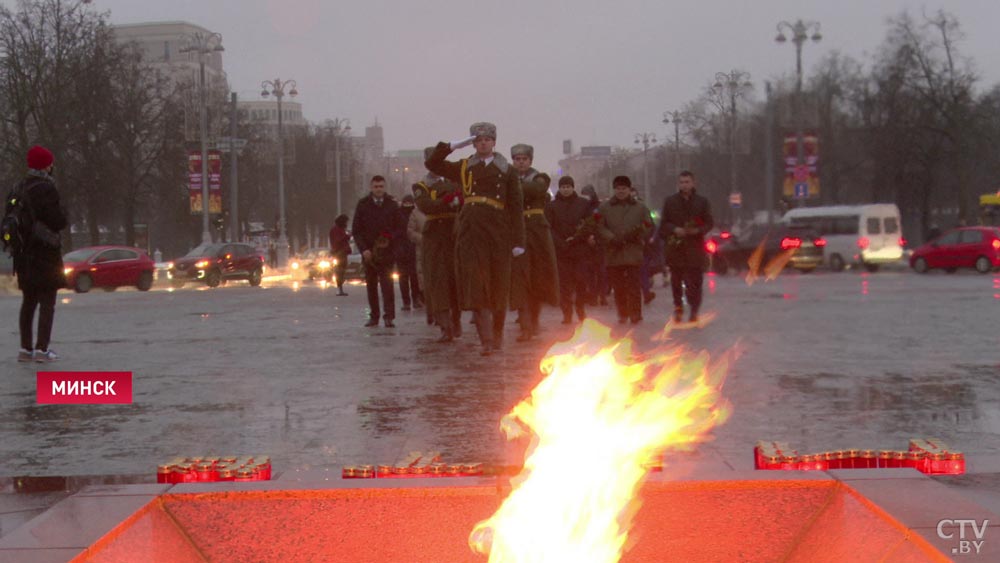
[{"x": 18, "y": 220}]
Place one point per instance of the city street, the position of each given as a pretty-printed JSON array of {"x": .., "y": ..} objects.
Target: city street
[{"x": 829, "y": 361}]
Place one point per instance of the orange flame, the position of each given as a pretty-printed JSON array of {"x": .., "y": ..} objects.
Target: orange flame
[{"x": 601, "y": 413}]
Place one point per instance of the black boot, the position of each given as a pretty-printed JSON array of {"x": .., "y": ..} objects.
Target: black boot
[{"x": 499, "y": 318}]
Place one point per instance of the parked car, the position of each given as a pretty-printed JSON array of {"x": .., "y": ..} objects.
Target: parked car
[
  {"x": 108, "y": 267},
  {"x": 965, "y": 247},
  {"x": 804, "y": 244},
  {"x": 212, "y": 263}
]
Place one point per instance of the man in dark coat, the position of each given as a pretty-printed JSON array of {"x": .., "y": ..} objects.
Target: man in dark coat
[
  {"x": 534, "y": 278},
  {"x": 406, "y": 260},
  {"x": 685, "y": 220},
  {"x": 440, "y": 200},
  {"x": 574, "y": 232},
  {"x": 39, "y": 266},
  {"x": 376, "y": 231},
  {"x": 597, "y": 279},
  {"x": 490, "y": 228}
]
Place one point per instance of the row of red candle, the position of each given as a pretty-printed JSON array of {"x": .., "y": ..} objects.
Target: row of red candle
[
  {"x": 209, "y": 470},
  {"x": 436, "y": 469},
  {"x": 935, "y": 463},
  {"x": 939, "y": 459}
]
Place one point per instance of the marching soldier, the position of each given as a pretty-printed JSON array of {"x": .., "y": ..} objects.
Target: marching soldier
[
  {"x": 490, "y": 228},
  {"x": 440, "y": 201},
  {"x": 534, "y": 279}
]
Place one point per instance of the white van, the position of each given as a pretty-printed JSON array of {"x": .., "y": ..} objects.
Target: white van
[{"x": 856, "y": 235}]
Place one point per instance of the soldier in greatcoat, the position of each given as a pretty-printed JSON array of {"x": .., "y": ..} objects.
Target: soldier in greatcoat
[
  {"x": 534, "y": 277},
  {"x": 490, "y": 228},
  {"x": 440, "y": 201}
]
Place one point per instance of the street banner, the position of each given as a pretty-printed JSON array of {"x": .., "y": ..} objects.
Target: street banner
[
  {"x": 214, "y": 181},
  {"x": 801, "y": 180}
]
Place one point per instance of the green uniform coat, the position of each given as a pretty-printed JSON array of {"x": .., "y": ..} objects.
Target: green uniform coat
[
  {"x": 534, "y": 273},
  {"x": 437, "y": 245},
  {"x": 485, "y": 234},
  {"x": 624, "y": 225}
]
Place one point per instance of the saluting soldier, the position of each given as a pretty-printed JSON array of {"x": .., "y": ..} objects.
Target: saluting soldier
[
  {"x": 490, "y": 228},
  {"x": 440, "y": 200},
  {"x": 534, "y": 278}
]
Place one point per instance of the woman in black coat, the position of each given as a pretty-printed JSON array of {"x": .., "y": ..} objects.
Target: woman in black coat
[{"x": 39, "y": 265}]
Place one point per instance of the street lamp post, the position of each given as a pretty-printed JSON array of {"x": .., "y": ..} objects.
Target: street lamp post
[
  {"x": 338, "y": 127},
  {"x": 800, "y": 32},
  {"x": 203, "y": 44},
  {"x": 276, "y": 88},
  {"x": 735, "y": 83},
  {"x": 675, "y": 117},
  {"x": 645, "y": 139}
]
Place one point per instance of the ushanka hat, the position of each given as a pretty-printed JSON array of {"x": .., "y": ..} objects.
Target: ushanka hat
[
  {"x": 483, "y": 129},
  {"x": 524, "y": 149}
]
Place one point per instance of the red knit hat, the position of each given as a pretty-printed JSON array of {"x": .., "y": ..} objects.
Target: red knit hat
[{"x": 39, "y": 158}]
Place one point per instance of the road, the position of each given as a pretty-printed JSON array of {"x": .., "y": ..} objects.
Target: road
[{"x": 829, "y": 361}]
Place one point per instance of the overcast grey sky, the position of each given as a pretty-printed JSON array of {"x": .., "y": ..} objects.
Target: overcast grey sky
[{"x": 594, "y": 71}]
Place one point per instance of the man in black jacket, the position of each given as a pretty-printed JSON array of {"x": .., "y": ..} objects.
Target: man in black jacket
[
  {"x": 574, "y": 234},
  {"x": 38, "y": 265},
  {"x": 685, "y": 220},
  {"x": 376, "y": 232}
]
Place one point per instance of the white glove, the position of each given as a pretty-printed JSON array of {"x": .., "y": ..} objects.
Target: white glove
[
  {"x": 517, "y": 251},
  {"x": 455, "y": 145}
]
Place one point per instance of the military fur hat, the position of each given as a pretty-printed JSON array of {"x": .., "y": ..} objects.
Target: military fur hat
[
  {"x": 483, "y": 129},
  {"x": 428, "y": 151},
  {"x": 524, "y": 149}
]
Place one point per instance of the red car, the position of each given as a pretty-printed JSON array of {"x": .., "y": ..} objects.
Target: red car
[
  {"x": 108, "y": 267},
  {"x": 965, "y": 247},
  {"x": 212, "y": 263}
]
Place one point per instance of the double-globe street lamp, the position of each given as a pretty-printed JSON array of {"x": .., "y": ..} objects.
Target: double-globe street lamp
[
  {"x": 276, "y": 88},
  {"x": 203, "y": 44},
  {"x": 735, "y": 84},
  {"x": 800, "y": 32},
  {"x": 645, "y": 139}
]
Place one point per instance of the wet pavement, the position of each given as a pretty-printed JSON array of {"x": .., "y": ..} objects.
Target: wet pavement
[{"x": 829, "y": 361}]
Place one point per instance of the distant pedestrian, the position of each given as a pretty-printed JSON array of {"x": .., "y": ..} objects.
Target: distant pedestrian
[
  {"x": 534, "y": 277},
  {"x": 574, "y": 232},
  {"x": 685, "y": 220},
  {"x": 624, "y": 224},
  {"x": 340, "y": 249},
  {"x": 38, "y": 263},
  {"x": 490, "y": 228},
  {"x": 376, "y": 230},
  {"x": 406, "y": 260}
]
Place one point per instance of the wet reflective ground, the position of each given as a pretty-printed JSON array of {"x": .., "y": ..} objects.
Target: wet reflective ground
[{"x": 829, "y": 361}]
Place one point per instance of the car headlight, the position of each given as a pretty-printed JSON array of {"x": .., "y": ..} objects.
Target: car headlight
[
  {"x": 201, "y": 264},
  {"x": 334, "y": 261},
  {"x": 170, "y": 265},
  {"x": 324, "y": 264},
  {"x": 67, "y": 271},
  {"x": 295, "y": 265}
]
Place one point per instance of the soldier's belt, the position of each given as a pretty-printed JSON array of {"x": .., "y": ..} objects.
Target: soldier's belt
[
  {"x": 478, "y": 199},
  {"x": 450, "y": 215},
  {"x": 531, "y": 212}
]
